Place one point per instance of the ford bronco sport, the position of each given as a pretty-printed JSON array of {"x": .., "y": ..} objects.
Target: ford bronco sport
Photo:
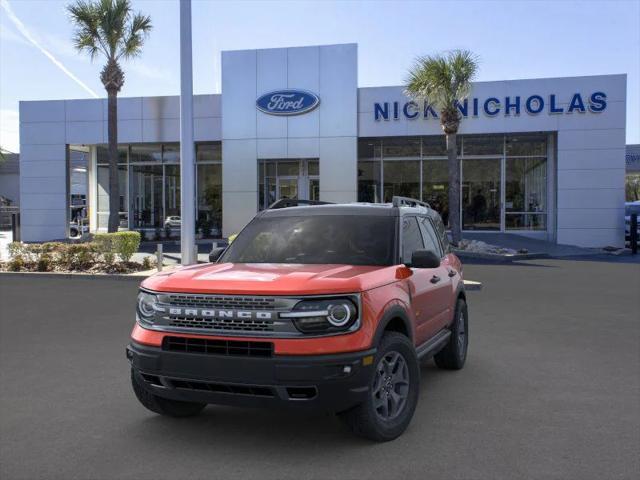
[{"x": 324, "y": 306}]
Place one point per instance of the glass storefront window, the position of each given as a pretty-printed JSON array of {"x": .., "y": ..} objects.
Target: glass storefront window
[
  {"x": 209, "y": 152},
  {"x": 435, "y": 186},
  {"x": 401, "y": 177},
  {"x": 146, "y": 153},
  {"x": 369, "y": 182},
  {"x": 172, "y": 190},
  {"x": 171, "y": 153},
  {"x": 102, "y": 154},
  {"x": 481, "y": 194},
  {"x": 525, "y": 193},
  {"x": 102, "y": 197},
  {"x": 403, "y": 147},
  {"x": 526, "y": 145},
  {"x": 146, "y": 196},
  {"x": 433, "y": 146},
  {"x": 314, "y": 167},
  {"x": 210, "y": 199},
  {"x": 482, "y": 145}
]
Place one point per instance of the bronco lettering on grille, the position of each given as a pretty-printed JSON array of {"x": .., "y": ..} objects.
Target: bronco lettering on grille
[{"x": 212, "y": 313}]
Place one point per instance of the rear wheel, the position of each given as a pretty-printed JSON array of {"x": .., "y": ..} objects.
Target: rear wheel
[
  {"x": 164, "y": 406},
  {"x": 454, "y": 354},
  {"x": 393, "y": 394}
]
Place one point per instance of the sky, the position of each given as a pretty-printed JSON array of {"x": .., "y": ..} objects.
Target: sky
[{"x": 513, "y": 39}]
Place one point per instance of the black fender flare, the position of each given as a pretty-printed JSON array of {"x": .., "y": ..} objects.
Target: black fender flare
[{"x": 391, "y": 313}]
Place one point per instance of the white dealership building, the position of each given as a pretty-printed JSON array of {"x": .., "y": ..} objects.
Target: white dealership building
[{"x": 540, "y": 157}]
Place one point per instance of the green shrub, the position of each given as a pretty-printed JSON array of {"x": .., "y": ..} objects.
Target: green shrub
[
  {"x": 147, "y": 263},
  {"x": 126, "y": 244},
  {"x": 16, "y": 263},
  {"x": 44, "y": 263},
  {"x": 78, "y": 256},
  {"x": 105, "y": 246},
  {"x": 17, "y": 249}
]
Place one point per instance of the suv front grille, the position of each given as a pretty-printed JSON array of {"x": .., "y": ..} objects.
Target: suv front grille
[
  {"x": 222, "y": 324},
  {"x": 218, "y": 347},
  {"x": 223, "y": 302}
]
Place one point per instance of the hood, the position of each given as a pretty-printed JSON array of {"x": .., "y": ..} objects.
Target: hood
[{"x": 271, "y": 279}]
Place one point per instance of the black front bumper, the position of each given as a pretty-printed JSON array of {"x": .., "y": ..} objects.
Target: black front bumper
[{"x": 324, "y": 382}]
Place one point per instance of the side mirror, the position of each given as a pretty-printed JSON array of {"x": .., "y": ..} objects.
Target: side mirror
[
  {"x": 214, "y": 255},
  {"x": 424, "y": 259}
]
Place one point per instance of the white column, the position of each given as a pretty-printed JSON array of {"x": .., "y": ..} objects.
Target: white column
[{"x": 187, "y": 147}]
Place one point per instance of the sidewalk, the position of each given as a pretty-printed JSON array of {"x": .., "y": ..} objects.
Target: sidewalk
[{"x": 532, "y": 245}]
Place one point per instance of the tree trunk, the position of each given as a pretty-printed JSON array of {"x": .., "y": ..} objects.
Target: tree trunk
[
  {"x": 114, "y": 184},
  {"x": 454, "y": 188}
]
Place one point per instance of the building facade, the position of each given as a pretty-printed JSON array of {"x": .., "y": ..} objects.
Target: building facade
[{"x": 541, "y": 157}]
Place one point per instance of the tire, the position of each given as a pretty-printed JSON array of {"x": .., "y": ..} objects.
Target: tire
[
  {"x": 164, "y": 406},
  {"x": 454, "y": 354},
  {"x": 368, "y": 419}
]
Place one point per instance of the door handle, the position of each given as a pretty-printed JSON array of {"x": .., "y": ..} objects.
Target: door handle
[
  {"x": 452, "y": 273},
  {"x": 435, "y": 279}
]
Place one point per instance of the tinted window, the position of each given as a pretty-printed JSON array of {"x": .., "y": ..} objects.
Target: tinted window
[
  {"x": 430, "y": 238},
  {"x": 442, "y": 233},
  {"x": 350, "y": 240},
  {"x": 411, "y": 238}
]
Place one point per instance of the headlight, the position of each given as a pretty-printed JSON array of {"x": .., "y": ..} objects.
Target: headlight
[
  {"x": 323, "y": 315},
  {"x": 146, "y": 306}
]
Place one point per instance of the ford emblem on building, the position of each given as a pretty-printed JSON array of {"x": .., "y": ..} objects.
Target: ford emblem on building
[{"x": 287, "y": 102}]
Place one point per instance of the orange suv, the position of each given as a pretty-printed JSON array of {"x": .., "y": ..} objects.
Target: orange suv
[{"x": 325, "y": 306}]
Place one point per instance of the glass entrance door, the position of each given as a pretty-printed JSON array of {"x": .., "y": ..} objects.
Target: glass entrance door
[
  {"x": 287, "y": 187},
  {"x": 481, "y": 194},
  {"x": 295, "y": 179}
]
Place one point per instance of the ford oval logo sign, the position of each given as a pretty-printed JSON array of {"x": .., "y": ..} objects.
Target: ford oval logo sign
[{"x": 287, "y": 102}]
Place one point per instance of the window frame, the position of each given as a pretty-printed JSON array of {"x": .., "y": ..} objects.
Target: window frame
[{"x": 402, "y": 239}]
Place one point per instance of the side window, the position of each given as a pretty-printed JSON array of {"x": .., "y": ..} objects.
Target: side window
[
  {"x": 430, "y": 238},
  {"x": 442, "y": 233},
  {"x": 411, "y": 238}
]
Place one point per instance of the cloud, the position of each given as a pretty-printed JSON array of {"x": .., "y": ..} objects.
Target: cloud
[
  {"x": 9, "y": 125},
  {"x": 27, "y": 34}
]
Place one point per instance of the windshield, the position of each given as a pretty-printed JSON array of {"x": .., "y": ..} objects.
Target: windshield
[{"x": 344, "y": 239}]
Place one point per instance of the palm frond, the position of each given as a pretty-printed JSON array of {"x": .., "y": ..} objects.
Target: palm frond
[
  {"x": 108, "y": 27},
  {"x": 442, "y": 80},
  {"x": 138, "y": 29}
]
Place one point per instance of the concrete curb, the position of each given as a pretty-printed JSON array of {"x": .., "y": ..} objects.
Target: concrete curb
[
  {"x": 138, "y": 276},
  {"x": 499, "y": 258},
  {"x": 472, "y": 286}
]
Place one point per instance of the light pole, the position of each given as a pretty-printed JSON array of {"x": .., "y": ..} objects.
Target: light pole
[{"x": 187, "y": 148}]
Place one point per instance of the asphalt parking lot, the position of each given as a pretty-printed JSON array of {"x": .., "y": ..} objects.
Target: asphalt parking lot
[{"x": 550, "y": 391}]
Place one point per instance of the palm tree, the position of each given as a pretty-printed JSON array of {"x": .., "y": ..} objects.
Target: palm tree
[
  {"x": 110, "y": 28},
  {"x": 444, "y": 81}
]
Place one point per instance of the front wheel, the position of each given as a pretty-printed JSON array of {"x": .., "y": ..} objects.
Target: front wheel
[
  {"x": 393, "y": 392},
  {"x": 164, "y": 406}
]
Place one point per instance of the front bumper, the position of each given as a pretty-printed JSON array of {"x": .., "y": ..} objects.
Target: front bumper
[{"x": 324, "y": 382}]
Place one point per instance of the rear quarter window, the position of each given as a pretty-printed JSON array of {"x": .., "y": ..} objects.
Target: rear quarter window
[{"x": 442, "y": 233}]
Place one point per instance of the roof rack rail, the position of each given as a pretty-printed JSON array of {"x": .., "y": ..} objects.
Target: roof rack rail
[
  {"x": 397, "y": 201},
  {"x": 294, "y": 202}
]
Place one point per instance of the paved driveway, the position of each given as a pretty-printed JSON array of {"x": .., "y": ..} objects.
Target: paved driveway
[{"x": 550, "y": 391}]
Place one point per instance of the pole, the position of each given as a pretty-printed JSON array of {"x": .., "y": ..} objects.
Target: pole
[{"x": 187, "y": 148}]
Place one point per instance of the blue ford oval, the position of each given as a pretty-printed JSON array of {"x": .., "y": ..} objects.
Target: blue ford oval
[{"x": 287, "y": 102}]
